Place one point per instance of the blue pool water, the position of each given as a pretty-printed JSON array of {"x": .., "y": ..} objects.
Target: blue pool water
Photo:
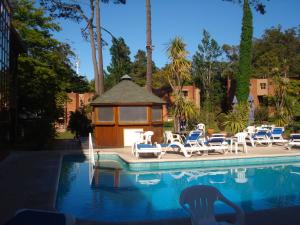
[{"x": 123, "y": 195}]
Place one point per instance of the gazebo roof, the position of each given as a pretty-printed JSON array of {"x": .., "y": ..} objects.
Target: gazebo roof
[{"x": 127, "y": 92}]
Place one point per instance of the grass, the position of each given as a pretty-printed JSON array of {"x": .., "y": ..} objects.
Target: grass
[{"x": 65, "y": 135}]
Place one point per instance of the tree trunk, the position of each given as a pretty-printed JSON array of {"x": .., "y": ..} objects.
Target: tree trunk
[
  {"x": 149, "y": 47},
  {"x": 99, "y": 45},
  {"x": 94, "y": 59}
]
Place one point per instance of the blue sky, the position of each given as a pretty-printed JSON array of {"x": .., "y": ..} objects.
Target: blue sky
[{"x": 170, "y": 18}]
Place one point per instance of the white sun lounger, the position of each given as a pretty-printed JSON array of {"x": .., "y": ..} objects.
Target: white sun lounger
[
  {"x": 155, "y": 149},
  {"x": 260, "y": 137},
  {"x": 188, "y": 150},
  {"x": 201, "y": 147},
  {"x": 294, "y": 141}
]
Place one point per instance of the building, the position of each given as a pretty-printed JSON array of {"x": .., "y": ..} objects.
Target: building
[
  {"x": 190, "y": 92},
  {"x": 75, "y": 102},
  {"x": 121, "y": 113},
  {"x": 259, "y": 89},
  {"x": 10, "y": 48}
]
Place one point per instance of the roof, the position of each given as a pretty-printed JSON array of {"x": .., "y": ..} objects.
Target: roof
[{"x": 127, "y": 92}]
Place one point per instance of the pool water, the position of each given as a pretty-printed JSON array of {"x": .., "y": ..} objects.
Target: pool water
[{"x": 120, "y": 195}]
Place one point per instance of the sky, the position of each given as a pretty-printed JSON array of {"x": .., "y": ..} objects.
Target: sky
[{"x": 171, "y": 18}]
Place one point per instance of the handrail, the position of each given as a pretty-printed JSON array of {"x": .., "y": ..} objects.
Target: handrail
[
  {"x": 91, "y": 159},
  {"x": 91, "y": 150}
]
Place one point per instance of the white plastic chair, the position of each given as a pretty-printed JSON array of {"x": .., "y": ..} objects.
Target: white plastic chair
[
  {"x": 239, "y": 139},
  {"x": 170, "y": 137},
  {"x": 200, "y": 126},
  {"x": 199, "y": 202},
  {"x": 146, "y": 137},
  {"x": 250, "y": 130}
]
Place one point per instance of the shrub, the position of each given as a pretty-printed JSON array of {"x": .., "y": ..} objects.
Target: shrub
[
  {"x": 237, "y": 119},
  {"x": 79, "y": 123},
  {"x": 261, "y": 114}
]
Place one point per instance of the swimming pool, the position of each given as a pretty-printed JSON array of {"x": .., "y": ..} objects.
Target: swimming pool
[{"x": 119, "y": 194}]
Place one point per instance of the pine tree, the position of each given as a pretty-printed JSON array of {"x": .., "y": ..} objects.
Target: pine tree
[{"x": 120, "y": 61}]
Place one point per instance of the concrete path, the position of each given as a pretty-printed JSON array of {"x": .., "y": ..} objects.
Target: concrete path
[{"x": 28, "y": 180}]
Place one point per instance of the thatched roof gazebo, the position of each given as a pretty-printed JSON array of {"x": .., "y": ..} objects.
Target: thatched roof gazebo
[{"x": 125, "y": 110}]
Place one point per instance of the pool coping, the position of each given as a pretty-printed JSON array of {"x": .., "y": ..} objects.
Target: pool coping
[
  {"x": 57, "y": 180},
  {"x": 201, "y": 161}
]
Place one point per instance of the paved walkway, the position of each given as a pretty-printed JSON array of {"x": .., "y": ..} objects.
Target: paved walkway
[{"x": 30, "y": 179}]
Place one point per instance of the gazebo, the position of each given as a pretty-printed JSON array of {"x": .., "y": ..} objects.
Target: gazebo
[{"x": 123, "y": 112}]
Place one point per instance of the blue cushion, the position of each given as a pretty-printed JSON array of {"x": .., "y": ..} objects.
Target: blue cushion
[
  {"x": 295, "y": 136},
  {"x": 164, "y": 145},
  {"x": 193, "y": 137},
  {"x": 260, "y": 133},
  {"x": 145, "y": 146},
  {"x": 277, "y": 131},
  {"x": 216, "y": 140}
]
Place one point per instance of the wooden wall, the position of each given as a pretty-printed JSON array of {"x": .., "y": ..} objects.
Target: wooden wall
[{"x": 112, "y": 135}]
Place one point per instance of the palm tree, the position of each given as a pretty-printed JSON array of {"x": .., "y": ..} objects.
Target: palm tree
[
  {"x": 149, "y": 46},
  {"x": 179, "y": 72}
]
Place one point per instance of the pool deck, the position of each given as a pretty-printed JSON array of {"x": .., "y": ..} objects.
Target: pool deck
[
  {"x": 259, "y": 151},
  {"x": 30, "y": 180}
]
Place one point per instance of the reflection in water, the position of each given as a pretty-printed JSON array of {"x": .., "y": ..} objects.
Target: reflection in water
[
  {"x": 241, "y": 175},
  {"x": 121, "y": 195}
]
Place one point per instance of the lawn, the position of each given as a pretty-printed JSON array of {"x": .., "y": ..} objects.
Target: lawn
[{"x": 65, "y": 135}]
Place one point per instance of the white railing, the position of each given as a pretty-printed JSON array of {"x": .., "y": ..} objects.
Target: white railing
[
  {"x": 91, "y": 150},
  {"x": 91, "y": 159}
]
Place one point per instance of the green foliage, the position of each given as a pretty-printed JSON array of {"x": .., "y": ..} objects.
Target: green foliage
[
  {"x": 79, "y": 123},
  {"x": 179, "y": 72},
  {"x": 44, "y": 74},
  {"x": 277, "y": 53},
  {"x": 205, "y": 66},
  {"x": 231, "y": 67},
  {"x": 168, "y": 125},
  {"x": 285, "y": 101},
  {"x": 139, "y": 68},
  {"x": 64, "y": 135},
  {"x": 237, "y": 119},
  {"x": 208, "y": 116},
  {"x": 261, "y": 115},
  {"x": 257, "y": 4},
  {"x": 120, "y": 61},
  {"x": 185, "y": 108},
  {"x": 179, "y": 67},
  {"x": 160, "y": 77},
  {"x": 244, "y": 73},
  {"x": 87, "y": 16}
]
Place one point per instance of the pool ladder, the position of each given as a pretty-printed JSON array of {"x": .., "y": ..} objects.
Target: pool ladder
[
  {"x": 91, "y": 151},
  {"x": 91, "y": 159}
]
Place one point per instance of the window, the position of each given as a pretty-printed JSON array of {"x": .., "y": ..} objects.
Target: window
[
  {"x": 185, "y": 93},
  {"x": 156, "y": 113},
  {"x": 136, "y": 114},
  {"x": 263, "y": 86},
  {"x": 106, "y": 114},
  {"x": 4, "y": 61}
]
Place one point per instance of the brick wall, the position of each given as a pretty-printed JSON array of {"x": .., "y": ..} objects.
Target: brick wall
[{"x": 76, "y": 101}]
